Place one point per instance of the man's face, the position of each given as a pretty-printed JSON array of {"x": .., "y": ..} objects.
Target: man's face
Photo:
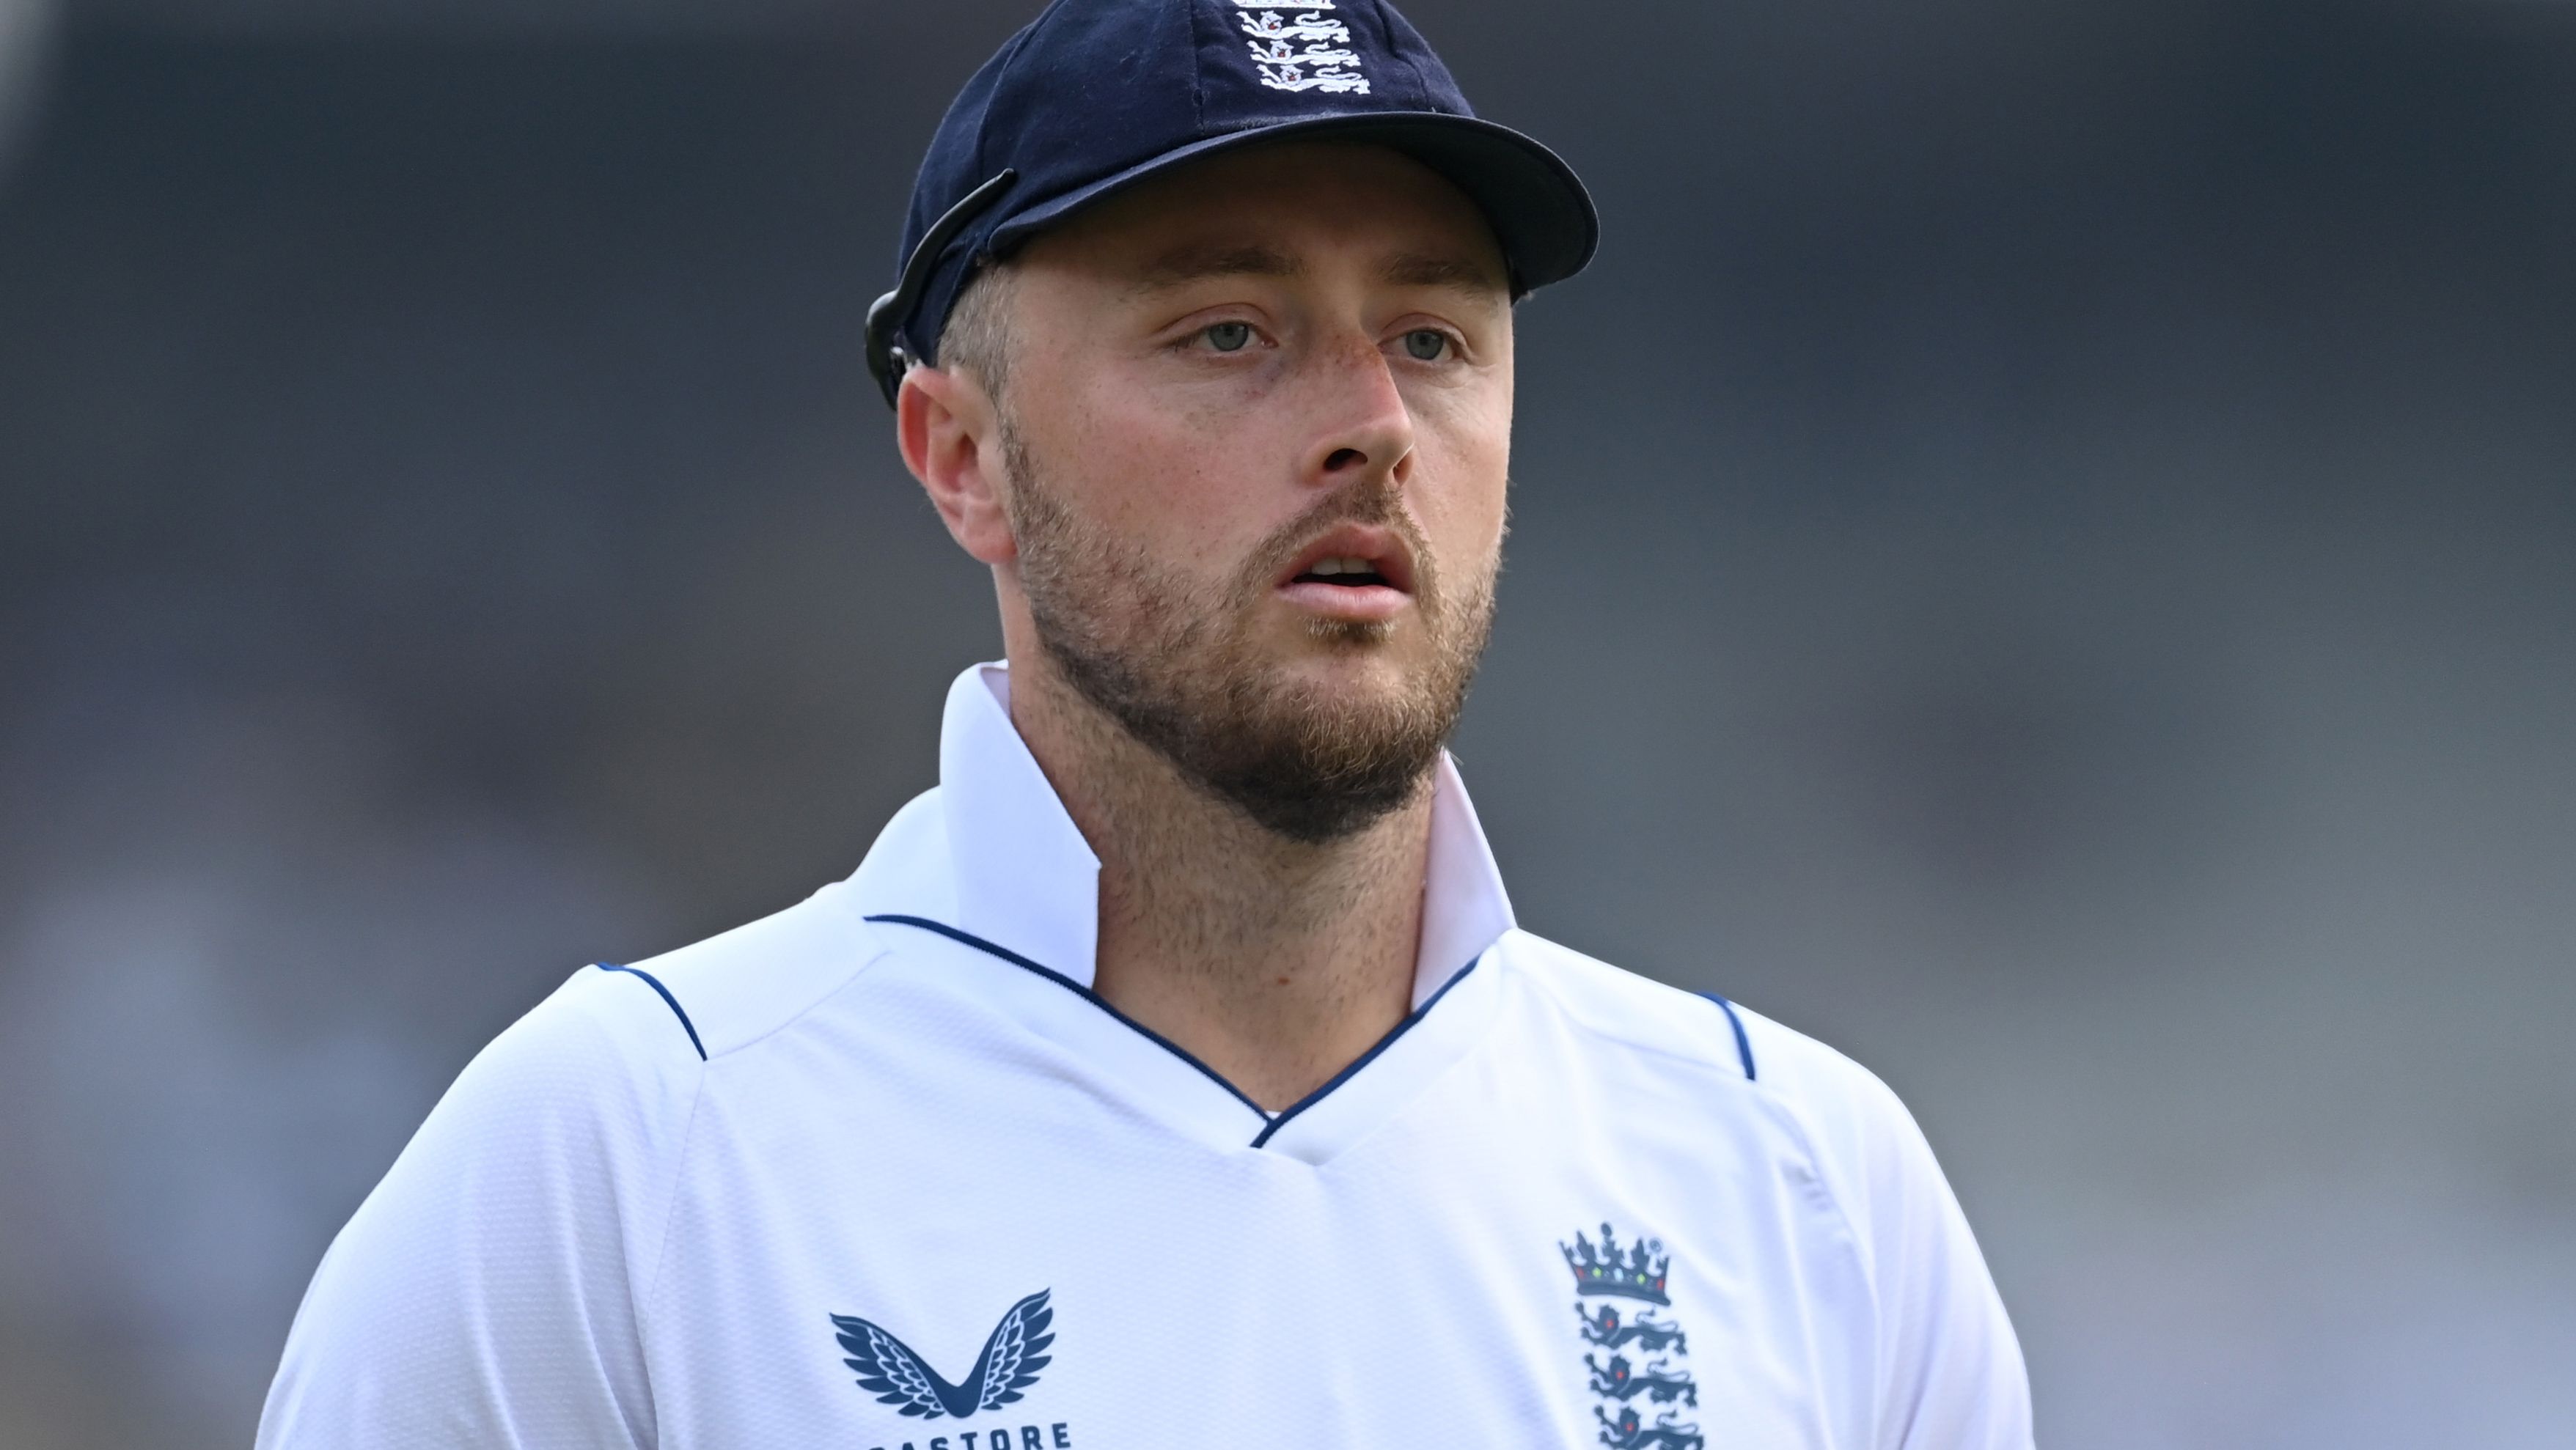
[{"x": 1256, "y": 432}]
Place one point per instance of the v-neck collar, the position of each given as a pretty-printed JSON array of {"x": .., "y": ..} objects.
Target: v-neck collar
[
  {"x": 992, "y": 862},
  {"x": 1026, "y": 880}
]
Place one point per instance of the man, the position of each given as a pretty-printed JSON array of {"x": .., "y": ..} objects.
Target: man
[{"x": 1174, "y": 1074}]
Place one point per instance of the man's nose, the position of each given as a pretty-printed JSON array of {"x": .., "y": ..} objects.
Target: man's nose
[{"x": 1368, "y": 430}]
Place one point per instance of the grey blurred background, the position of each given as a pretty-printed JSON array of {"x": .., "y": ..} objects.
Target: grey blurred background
[{"x": 2043, "y": 557}]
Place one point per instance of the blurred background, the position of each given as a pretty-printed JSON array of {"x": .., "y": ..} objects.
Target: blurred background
[{"x": 2045, "y": 555}]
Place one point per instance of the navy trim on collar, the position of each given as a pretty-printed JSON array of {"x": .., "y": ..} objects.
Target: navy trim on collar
[
  {"x": 1271, "y": 1123},
  {"x": 1088, "y": 995},
  {"x": 1363, "y": 1060}
]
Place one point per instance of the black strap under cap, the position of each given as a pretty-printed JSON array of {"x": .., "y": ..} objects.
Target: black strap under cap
[{"x": 888, "y": 358}]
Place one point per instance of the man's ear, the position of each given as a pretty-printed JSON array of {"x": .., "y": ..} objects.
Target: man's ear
[{"x": 951, "y": 438}]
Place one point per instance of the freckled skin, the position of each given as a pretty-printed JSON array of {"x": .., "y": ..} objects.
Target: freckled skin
[
  {"x": 1190, "y": 418},
  {"x": 1195, "y": 455}
]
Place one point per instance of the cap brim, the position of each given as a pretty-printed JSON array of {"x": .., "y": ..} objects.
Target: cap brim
[{"x": 1540, "y": 213}]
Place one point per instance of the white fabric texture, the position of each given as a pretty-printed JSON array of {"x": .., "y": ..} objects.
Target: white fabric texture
[{"x": 917, "y": 1193}]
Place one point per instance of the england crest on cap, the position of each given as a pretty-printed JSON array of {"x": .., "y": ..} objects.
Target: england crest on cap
[{"x": 1094, "y": 96}]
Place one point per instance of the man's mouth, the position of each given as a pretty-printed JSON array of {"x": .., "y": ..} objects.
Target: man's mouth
[
  {"x": 1354, "y": 556},
  {"x": 1356, "y": 573},
  {"x": 1348, "y": 571}
]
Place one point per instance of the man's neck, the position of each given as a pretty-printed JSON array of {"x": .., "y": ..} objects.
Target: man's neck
[{"x": 1275, "y": 962}]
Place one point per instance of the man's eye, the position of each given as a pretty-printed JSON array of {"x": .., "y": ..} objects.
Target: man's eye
[
  {"x": 1426, "y": 344},
  {"x": 1228, "y": 336}
]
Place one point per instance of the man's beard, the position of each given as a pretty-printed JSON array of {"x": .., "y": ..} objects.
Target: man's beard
[{"x": 1170, "y": 659}]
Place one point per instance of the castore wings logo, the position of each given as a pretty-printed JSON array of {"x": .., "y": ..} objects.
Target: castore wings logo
[{"x": 1013, "y": 1354}]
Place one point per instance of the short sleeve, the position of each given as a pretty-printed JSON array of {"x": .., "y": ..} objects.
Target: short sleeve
[
  {"x": 486, "y": 1293},
  {"x": 1949, "y": 1369}
]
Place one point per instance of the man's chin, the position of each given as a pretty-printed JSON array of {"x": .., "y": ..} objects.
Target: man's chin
[
  {"x": 1350, "y": 634},
  {"x": 1321, "y": 770},
  {"x": 1356, "y": 665}
]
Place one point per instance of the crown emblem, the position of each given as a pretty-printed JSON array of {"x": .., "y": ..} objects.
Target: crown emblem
[{"x": 1636, "y": 1272}]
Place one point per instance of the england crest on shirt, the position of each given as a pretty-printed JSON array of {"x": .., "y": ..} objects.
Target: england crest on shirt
[{"x": 1634, "y": 1366}]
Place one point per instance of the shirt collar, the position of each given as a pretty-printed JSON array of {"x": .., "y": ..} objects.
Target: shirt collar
[{"x": 1025, "y": 879}]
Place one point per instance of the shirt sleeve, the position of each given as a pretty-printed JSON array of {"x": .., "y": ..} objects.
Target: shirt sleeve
[
  {"x": 1949, "y": 1368},
  {"x": 487, "y": 1292}
]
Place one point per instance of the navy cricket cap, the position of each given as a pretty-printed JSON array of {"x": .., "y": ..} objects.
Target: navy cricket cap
[{"x": 1096, "y": 95}]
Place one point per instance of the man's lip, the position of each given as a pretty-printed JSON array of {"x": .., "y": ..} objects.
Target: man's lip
[
  {"x": 1384, "y": 549},
  {"x": 1353, "y": 603}
]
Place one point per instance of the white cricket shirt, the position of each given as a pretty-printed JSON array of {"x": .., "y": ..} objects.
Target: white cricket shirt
[{"x": 880, "y": 1172}]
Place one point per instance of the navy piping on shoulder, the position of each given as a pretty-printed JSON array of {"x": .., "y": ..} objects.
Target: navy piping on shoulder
[
  {"x": 674, "y": 1003},
  {"x": 1088, "y": 995},
  {"x": 1743, "y": 1044},
  {"x": 1363, "y": 1060}
]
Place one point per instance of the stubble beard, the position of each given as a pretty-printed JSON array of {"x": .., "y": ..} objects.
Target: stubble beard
[{"x": 1170, "y": 659}]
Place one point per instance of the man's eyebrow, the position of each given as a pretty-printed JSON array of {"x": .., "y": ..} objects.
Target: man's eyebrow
[
  {"x": 1197, "y": 262},
  {"x": 1432, "y": 269}
]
